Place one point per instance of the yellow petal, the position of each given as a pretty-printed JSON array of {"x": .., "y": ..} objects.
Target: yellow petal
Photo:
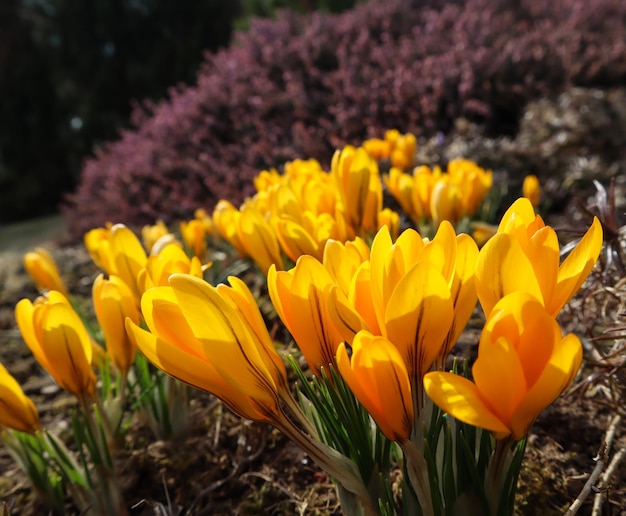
[
  {"x": 462, "y": 289},
  {"x": 503, "y": 267},
  {"x": 196, "y": 371},
  {"x": 259, "y": 239},
  {"x": 555, "y": 378},
  {"x": 377, "y": 376},
  {"x": 17, "y": 411},
  {"x": 576, "y": 267},
  {"x": 68, "y": 348},
  {"x": 499, "y": 376},
  {"x": 25, "y": 315},
  {"x": 294, "y": 239},
  {"x": 542, "y": 250},
  {"x": 129, "y": 256},
  {"x": 419, "y": 316},
  {"x": 228, "y": 342},
  {"x": 462, "y": 400}
]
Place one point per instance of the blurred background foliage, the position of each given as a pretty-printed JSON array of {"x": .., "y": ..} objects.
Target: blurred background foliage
[{"x": 70, "y": 72}]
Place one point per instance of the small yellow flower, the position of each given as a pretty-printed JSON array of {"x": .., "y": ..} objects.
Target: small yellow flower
[
  {"x": 375, "y": 372},
  {"x": 113, "y": 302},
  {"x": 171, "y": 259},
  {"x": 524, "y": 256},
  {"x": 258, "y": 238},
  {"x": 226, "y": 221},
  {"x": 150, "y": 234},
  {"x": 524, "y": 363},
  {"x": 98, "y": 244},
  {"x": 358, "y": 182},
  {"x": 42, "y": 268},
  {"x": 298, "y": 296},
  {"x": 531, "y": 189},
  {"x": 17, "y": 411},
  {"x": 59, "y": 341},
  {"x": 194, "y": 236},
  {"x": 214, "y": 339}
]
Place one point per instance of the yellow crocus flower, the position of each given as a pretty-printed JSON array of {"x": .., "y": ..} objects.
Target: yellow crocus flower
[
  {"x": 524, "y": 256},
  {"x": 299, "y": 297},
  {"x": 358, "y": 182},
  {"x": 129, "y": 257},
  {"x": 258, "y": 238},
  {"x": 375, "y": 372},
  {"x": 531, "y": 189},
  {"x": 226, "y": 220},
  {"x": 113, "y": 302},
  {"x": 401, "y": 295},
  {"x": 98, "y": 244},
  {"x": 295, "y": 240},
  {"x": 43, "y": 270},
  {"x": 215, "y": 340},
  {"x": 59, "y": 341},
  {"x": 171, "y": 259},
  {"x": 17, "y": 411},
  {"x": 150, "y": 234},
  {"x": 194, "y": 236},
  {"x": 524, "y": 363},
  {"x": 400, "y": 184}
]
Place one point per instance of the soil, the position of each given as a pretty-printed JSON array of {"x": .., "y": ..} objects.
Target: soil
[{"x": 224, "y": 465}]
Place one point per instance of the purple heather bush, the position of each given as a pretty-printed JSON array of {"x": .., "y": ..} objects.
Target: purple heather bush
[{"x": 303, "y": 86}]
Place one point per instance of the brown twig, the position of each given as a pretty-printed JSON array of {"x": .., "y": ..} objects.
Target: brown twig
[{"x": 600, "y": 459}]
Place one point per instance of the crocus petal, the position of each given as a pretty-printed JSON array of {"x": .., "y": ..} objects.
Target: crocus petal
[
  {"x": 295, "y": 240},
  {"x": 129, "y": 256},
  {"x": 228, "y": 342},
  {"x": 576, "y": 267},
  {"x": 499, "y": 376},
  {"x": 460, "y": 398},
  {"x": 113, "y": 302},
  {"x": 195, "y": 370},
  {"x": 68, "y": 348},
  {"x": 17, "y": 411},
  {"x": 300, "y": 303},
  {"x": 542, "y": 251},
  {"x": 556, "y": 377},
  {"x": 462, "y": 288},
  {"x": 25, "y": 315},
  {"x": 503, "y": 267},
  {"x": 259, "y": 239},
  {"x": 376, "y": 374},
  {"x": 418, "y": 316}
]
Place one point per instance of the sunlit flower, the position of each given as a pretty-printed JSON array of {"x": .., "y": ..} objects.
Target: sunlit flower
[
  {"x": 59, "y": 341},
  {"x": 214, "y": 339},
  {"x": 98, "y": 244},
  {"x": 150, "y": 234},
  {"x": 524, "y": 363},
  {"x": 113, "y": 302},
  {"x": 360, "y": 188},
  {"x": 403, "y": 152},
  {"x": 524, "y": 256},
  {"x": 118, "y": 252},
  {"x": 194, "y": 236},
  {"x": 170, "y": 260},
  {"x": 226, "y": 220},
  {"x": 259, "y": 239},
  {"x": 531, "y": 189},
  {"x": 375, "y": 372},
  {"x": 43, "y": 270},
  {"x": 17, "y": 411},
  {"x": 298, "y": 296}
]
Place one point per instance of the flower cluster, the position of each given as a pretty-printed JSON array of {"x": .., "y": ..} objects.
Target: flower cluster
[
  {"x": 432, "y": 195},
  {"x": 375, "y": 312}
]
